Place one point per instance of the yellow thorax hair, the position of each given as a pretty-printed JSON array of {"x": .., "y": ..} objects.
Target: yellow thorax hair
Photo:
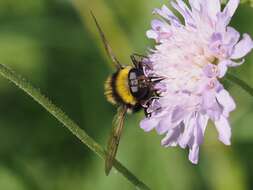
[{"x": 121, "y": 88}]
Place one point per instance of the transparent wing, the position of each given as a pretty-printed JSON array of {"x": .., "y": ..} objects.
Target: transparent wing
[
  {"x": 106, "y": 44},
  {"x": 113, "y": 143}
]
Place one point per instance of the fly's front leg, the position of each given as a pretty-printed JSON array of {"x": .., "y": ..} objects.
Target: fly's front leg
[{"x": 137, "y": 60}]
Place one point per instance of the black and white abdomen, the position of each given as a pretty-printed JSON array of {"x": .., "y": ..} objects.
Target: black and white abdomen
[{"x": 139, "y": 84}]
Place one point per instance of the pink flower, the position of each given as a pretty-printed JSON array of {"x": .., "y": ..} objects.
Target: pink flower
[{"x": 192, "y": 57}]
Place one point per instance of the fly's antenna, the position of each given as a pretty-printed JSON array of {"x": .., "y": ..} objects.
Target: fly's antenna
[{"x": 106, "y": 44}]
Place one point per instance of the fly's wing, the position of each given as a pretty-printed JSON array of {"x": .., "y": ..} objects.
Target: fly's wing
[
  {"x": 113, "y": 143},
  {"x": 106, "y": 44}
]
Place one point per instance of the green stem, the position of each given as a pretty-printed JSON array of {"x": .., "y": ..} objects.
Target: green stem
[
  {"x": 240, "y": 83},
  {"x": 67, "y": 122}
]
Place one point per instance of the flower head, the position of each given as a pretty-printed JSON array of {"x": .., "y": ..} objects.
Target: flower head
[{"x": 192, "y": 56}]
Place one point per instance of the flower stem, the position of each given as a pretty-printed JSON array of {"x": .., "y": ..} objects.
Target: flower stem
[
  {"x": 240, "y": 83},
  {"x": 67, "y": 122}
]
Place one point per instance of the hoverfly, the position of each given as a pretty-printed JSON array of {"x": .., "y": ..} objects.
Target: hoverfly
[{"x": 129, "y": 89}]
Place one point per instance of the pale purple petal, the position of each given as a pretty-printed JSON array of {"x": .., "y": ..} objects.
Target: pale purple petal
[
  {"x": 199, "y": 129},
  {"x": 164, "y": 124},
  {"x": 232, "y": 36},
  {"x": 154, "y": 106},
  {"x": 223, "y": 67},
  {"x": 177, "y": 114},
  {"x": 215, "y": 43},
  {"x": 210, "y": 106},
  {"x": 235, "y": 64},
  {"x": 198, "y": 133},
  {"x": 161, "y": 87},
  {"x": 223, "y": 20},
  {"x": 208, "y": 100},
  {"x": 152, "y": 34},
  {"x": 169, "y": 15},
  {"x": 172, "y": 119},
  {"x": 182, "y": 8},
  {"x": 231, "y": 7},
  {"x": 224, "y": 130},
  {"x": 226, "y": 101},
  {"x": 160, "y": 30},
  {"x": 189, "y": 124},
  {"x": 171, "y": 137},
  {"x": 202, "y": 121},
  {"x": 194, "y": 154},
  {"x": 210, "y": 70},
  {"x": 243, "y": 47},
  {"x": 157, "y": 24},
  {"x": 216, "y": 37},
  {"x": 195, "y": 4},
  {"x": 192, "y": 132},
  {"x": 213, "y": 7},
  {"x": 149, "y": 124}
]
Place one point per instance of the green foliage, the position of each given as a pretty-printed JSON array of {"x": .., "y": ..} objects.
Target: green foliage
[
  {"x": 49, "y": 43},
  {"x": 247, "y": 2},
  {"x": 250, "y": 2}
]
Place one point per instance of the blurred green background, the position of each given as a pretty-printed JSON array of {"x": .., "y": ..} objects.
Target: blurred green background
[{"x": 55, "y": 45}]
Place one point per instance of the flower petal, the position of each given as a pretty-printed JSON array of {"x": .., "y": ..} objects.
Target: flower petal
[
  {"x": 243, "y": 47},
  {"x": 223, "y": 67},
  {"x": 210, "y": 105},
  {"x": 168, "y": 14},
  {"x": 178, "y": 114},
  {"x": 157, "y": 24},
  {"x": 189, "y": 124},
  {"x": 202, "y": 121},
  {"x": 213, "y": 7},
  {"x": 149, "y": 124},
  {"x": 210, "y": 70},
  {"x": 236, "y": 64},
  {"x": 194, "y": 154},
  {"x": 171, "y": 137},
  {"x": 232, "y": 36},
  {"x": 195, "y": 4},
  {"x": 152, "y": 34},
  {"x": 231, "y": 7},
  {"x": 226, "y": 101},
  {"x": 182, "y": 8},
  {"x": 223, "y": 20},
  {"x": 164, "y": 125},
  {"x": 224, "y": 130}
]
